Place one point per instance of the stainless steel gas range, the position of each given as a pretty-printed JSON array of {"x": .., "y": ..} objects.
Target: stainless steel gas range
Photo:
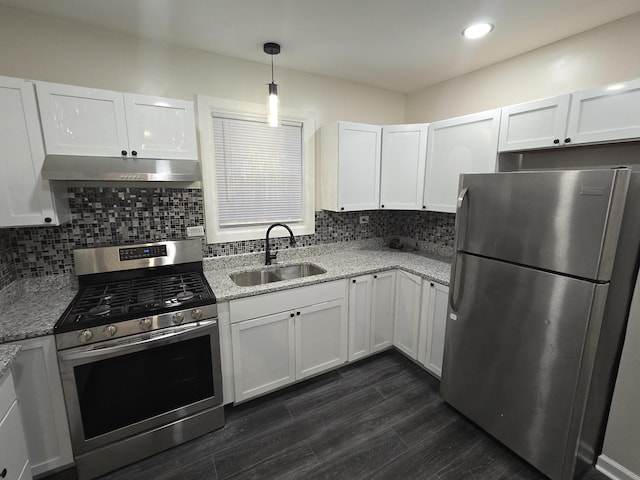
[{"x": 139, "y": 353}]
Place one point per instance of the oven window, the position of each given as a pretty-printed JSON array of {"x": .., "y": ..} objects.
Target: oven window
[{"x": 126, "y": 389}]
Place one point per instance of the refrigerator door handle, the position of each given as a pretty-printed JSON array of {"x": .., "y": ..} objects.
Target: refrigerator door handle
[{"x": 459, "y": 236}]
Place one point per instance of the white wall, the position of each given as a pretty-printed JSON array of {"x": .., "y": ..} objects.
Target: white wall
[
  {"x": 599, "y": 56},
  {"x": 45, "y": 48}
]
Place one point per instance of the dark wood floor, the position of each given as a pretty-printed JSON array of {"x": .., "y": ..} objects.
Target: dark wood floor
[{"x": 381, "y": 418}]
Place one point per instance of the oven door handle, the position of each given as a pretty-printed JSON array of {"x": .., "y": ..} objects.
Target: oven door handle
[{"x": 154, "y": 341}]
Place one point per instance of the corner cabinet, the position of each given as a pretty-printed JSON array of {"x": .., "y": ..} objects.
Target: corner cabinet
[
  {"x": 371, "y": 313},
  {"x": 44, "y": 415},
  {"x": 466, "y": 144},
  {"x": 273, "y": 347},
  {"x": 103, "y": 123},
  {"x": 433, "y": 321},
  {"x": 27, "y": 199},
  {"x": 404, "y": 154},
  {"x": 350, "y": 166},
  {"x": 407, "y": 313},
  {"x": 14, "y": 461}
]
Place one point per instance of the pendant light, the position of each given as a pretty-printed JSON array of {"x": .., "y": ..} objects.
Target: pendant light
[{"x": 272, "y": 49}]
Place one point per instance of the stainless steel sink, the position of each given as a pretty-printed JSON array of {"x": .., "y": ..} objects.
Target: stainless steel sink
[{"x": 276, "y": 273}]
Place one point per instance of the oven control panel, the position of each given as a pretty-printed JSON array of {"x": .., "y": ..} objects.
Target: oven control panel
[{"x": 136, "y": 253}]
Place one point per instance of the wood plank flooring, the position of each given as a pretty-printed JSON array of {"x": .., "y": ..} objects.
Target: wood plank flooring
[{"x": 381, "y": 418}]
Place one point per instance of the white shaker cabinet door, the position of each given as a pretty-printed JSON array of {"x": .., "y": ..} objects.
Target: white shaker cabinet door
[
  {"x": 433, "y": 320},
  {"x": 359, "y": 166},
  {"x": 263, "y": 354},
  {"x": 407, "y": 313},
  {"x": 537, "y": 124},
  {"x": 44, "y": 415},
  {"x": 404, "y": 154},
  {"x": 466, "y": 144},
  {"x": 14, "y": 462},
  {"x": 321, "y": 337},
  {"x": 359, "y": 317},
  {"x": 25, "y": 199},
  {"x": 161, "y": 127},
  {"x": 605, "y": 114},
  {"x": 383, "y": 294},
  {"x": 82, "y": 121}
]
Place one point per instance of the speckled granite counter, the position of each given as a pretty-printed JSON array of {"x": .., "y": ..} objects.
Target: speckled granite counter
[
  {"x": 30, "y": 308},
  {"x": 345, "y": 264},
  {"x": 7, "y": 354}
]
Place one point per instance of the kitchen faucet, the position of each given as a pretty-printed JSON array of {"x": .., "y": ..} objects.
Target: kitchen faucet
[{"x": 272, "y": 256}]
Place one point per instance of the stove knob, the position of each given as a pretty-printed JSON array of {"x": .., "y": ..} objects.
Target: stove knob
[
  {"x": 85, "y": 336},
  {"x": 145, "y": 324},
  {"x": 196, "y": 313},
  {"x": 110, "y": 330},
  {"x": 178, "y": 318}
]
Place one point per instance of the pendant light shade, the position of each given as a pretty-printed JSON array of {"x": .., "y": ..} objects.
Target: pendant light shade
[{"x": 272, "y": 102}]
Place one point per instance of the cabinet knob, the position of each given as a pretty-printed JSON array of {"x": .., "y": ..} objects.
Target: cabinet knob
[
  {"x": 124, "y": 153},
  {"x": 291, "y": 315},
  {"x": 341, "y": 208},
  {"x": 431, "y": 283},
  {"x": 424, "y": 206},
  {"x": 134, "y": 153},
  {"x": 3, "y": 473},
  {"x": 375, "y": 276},
  {"x": 567, "y": 140},
  {"x": 297, "y": 313},
  {"x": 353, "y": 281},
  {"x": 556, "y": 141},
  {"x": 47, "y": 219},
  {"x": 381, "y": 206}
]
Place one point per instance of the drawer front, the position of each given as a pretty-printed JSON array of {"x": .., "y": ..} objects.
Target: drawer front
[
  {"x": 270, "y": 303},
  {"x": 13, "y": 453},
  {"x": 7, "y": 395}
]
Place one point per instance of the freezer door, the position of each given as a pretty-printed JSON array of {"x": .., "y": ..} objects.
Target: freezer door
[
  {"x": 514, "y": 349},
  {"x": 562, "y": 221}
]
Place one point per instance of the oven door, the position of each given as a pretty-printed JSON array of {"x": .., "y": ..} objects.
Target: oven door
[{"x": 119, "y": 388}]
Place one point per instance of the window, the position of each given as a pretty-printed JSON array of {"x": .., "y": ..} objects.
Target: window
[{"x": 255, "y": 175}]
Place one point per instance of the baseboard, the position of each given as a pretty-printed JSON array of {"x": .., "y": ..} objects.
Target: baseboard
[{"x": 614, "y": 470}]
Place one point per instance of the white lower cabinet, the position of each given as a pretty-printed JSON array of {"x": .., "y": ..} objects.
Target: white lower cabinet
[
  {"x": 274, "y": 350},
  {"x": 14, "y": 461},
  {"x": 407, "y": 313},
  {"x": 433, "y": 321},
  {"x": 44, "y": 416},
  {"x": 371, "y": 313}
]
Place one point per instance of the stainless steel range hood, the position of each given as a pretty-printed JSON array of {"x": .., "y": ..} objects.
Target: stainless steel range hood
[{"x": 64, "y": 167}]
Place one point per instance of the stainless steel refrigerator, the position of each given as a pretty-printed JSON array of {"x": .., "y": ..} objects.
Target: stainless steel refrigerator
[{"x": 541, "y": 283}]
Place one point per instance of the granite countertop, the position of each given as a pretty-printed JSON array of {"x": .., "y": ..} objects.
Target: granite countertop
[
  {"x": 7, "y": 354},
  {"x": 30, "y": 308},
  {"x": 338, "y": 265}
]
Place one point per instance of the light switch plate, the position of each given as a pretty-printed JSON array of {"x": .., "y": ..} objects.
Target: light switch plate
[
  {"x": 195, "y": 231},
  {"x": 364, "y": 218}
]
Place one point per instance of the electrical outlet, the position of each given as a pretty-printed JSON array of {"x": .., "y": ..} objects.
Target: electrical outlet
[
  {"x": 364, "y": 218},
  {"x": 195, "y": 231}
]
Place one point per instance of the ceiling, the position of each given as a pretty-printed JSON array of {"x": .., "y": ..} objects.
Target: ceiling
[{"x": 399, "y": 45}]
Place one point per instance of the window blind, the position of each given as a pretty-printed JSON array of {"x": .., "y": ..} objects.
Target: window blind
[{"x": 259, "y": 172}]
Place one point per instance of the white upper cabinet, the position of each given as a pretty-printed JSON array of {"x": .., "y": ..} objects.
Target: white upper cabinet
[
  {"x": 161, "y": 127},
  {"x": 350, "y": 166},
  {"x": 605, "y": 114},
  {"x": 26, "y": 199},
  {"x": 103, "y": 123},
  {"x": 460, "y": 145},
  {"x": 537, "y": 124},
  {"x": 404, "y": 153}
]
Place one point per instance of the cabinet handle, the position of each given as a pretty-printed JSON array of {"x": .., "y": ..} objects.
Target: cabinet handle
[
  {"x": 381, "y": 206},
  {"x": 424, "y": 206},
  {"x": 431, "y": 283},
  {"x": 353, "y": 281},
  {"x": 556, "y": 141},
  {"x": 3, "y": 473},
  {"x": 375, "y": 276},
  {"x": 341, "y": 208},
  {"x": 291, "y": 315},
  {"x": 297, "y": 313},
  {"x": 567, "y": 140},
  {"x": 134, "y": 153},
  {"x": 124, "y": 153},
  {"x": 47, "y": 219}
]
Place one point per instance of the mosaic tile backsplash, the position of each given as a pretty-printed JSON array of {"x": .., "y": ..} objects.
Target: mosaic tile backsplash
[{"x": 115, "y": 215}]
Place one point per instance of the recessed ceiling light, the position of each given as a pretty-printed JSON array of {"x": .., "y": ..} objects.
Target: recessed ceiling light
[{"x": 477, "y": 30}]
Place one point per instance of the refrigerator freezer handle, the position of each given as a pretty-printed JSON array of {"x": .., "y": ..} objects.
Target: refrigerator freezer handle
[{"x": 459, "y": 236}]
